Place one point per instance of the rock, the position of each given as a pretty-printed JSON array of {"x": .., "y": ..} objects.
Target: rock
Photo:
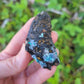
[{"x": 39, "y": 42}]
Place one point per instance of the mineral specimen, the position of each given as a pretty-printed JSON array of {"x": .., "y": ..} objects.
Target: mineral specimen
[{"x": 39, "y": 42}]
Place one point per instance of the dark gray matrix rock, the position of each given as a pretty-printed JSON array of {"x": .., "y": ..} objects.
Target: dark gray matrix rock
[{"x": 39, "y": 42}]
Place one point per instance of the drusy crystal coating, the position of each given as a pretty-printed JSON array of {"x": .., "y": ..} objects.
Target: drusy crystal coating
[{"x": 39, "y": 42}]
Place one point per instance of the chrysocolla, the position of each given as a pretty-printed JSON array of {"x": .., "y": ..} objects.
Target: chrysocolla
[{"x": 39, "y": 42}]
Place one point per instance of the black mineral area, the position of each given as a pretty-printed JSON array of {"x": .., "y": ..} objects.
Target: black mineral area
[{"x": 39, "y": 42}]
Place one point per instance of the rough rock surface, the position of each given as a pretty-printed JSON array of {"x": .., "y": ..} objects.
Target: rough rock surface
[{"x": 39, "y": 42}]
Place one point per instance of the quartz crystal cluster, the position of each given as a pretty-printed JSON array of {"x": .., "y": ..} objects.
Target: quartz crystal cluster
[{"x": 39, "y": 42}]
